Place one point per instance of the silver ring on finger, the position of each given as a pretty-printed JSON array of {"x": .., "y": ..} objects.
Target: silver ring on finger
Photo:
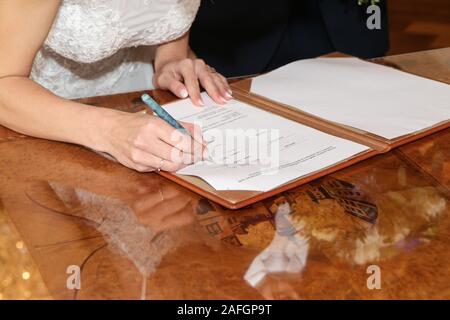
[{"x": 161, "y": 164}]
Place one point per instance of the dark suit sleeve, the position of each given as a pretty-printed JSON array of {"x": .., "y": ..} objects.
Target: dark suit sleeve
[
  {"x": 239, "y": 37},
  {"x": 242, "y": 37},
  {"x": 346, "y": 24}
]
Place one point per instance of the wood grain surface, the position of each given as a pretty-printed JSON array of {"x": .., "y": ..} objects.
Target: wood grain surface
[{"x": 137, "y": 235}]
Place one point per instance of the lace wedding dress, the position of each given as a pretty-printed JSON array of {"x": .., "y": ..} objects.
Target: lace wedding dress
[{"x": 99, "y": 47}]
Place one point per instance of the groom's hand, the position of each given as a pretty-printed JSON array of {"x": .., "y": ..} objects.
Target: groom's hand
[{"x": 184, "y": 78}]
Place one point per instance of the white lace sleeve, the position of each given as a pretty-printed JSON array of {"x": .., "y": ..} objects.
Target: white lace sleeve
[
  {"x": 91, "y": 47},
  {"x": 87, "y": 31}
]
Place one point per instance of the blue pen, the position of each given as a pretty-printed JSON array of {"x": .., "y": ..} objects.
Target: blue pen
[{"x": 163, "y": 114}]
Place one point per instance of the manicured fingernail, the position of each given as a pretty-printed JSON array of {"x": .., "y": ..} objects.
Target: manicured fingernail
[
  {"x": 184, "y": 93},
  {"x": 230, "y": 92},
  {"x": 228, "y": 95},
  {"x": 223, "y": 99},
  {"x": 200, "y": 102}
]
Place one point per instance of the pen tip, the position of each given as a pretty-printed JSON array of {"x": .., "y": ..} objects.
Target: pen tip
[{"x": 145, "y": 96}]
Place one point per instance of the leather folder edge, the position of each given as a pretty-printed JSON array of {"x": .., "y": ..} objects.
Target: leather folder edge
[
  {"x": 300, "y": 181},
  {"x": 264, "y": 195},
  {"x": 307, "y": 119},
  {"x": 378, "y": 145}
]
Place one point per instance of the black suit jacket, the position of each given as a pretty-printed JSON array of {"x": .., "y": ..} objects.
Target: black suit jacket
[{"x": 243, "y": 37}]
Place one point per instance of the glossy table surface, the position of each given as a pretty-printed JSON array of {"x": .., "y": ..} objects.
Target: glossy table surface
[{"x": 384, "y": 221}]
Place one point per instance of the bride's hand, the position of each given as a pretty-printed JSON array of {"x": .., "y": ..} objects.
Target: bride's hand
[
  {"x": 146, "y": 143},
  {"x": 185, "y": 76}
]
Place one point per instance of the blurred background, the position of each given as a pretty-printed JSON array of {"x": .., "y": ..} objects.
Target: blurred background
[{"x": 419, "y": 25}]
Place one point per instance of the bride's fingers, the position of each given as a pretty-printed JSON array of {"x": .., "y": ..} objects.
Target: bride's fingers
[
  {"x": 187, "y": 69},
  {"x": 177, "y": 140},
  {"x": 141, "y": 168},
  {"x": 127, "y": 162},
  {"x": 214, "y": 91},
  {"x": 164, "y": 151},
  {"x": 194, "y": 130},
  {"x": 214, "y": 83},
  {"x": 172, "y": 82},
  {"x": 211, "y": 88},
  {"x": 222, "y": 85},
  {"x": 183, "y": 78},
  {"x": 141, "y": 160},
  {"x": 179, "y": 89},
  {"x": 226, "y": 85}
]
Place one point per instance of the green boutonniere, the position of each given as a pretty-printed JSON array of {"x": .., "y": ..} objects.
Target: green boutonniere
[{"x": 361, "y": 2}]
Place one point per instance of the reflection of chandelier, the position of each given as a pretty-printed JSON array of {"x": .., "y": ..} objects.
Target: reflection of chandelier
[
  {"x": 19, "y": 276},
  {"x": 347, "y": 196}
]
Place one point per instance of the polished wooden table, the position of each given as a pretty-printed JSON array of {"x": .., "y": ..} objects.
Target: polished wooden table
[{"x": 377, "y": 230}]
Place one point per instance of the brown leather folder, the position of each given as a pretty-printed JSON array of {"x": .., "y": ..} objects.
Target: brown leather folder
[{"x": 237, "y": 198}]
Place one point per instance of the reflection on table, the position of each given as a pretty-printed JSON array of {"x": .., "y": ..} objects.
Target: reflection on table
[{"x": 140, "y": 236}]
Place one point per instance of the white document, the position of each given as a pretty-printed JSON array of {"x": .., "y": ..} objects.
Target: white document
[
  {"x": 256, "y": 150},
  {"x": 378, "y": 99}
]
